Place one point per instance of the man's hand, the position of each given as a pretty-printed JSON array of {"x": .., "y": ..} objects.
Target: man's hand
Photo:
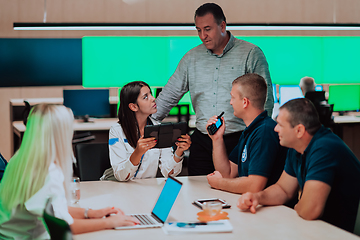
[
  {"x": 248, "y": 201},
  {"x": 219, "y": 132},
  {"x": 214, "y": 179}
]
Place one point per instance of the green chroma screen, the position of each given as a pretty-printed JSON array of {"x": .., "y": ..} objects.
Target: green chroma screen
[
  {"x": 174, "y": 111},
  {"x": 345, "y": 97},
  {"x": 114, "y": 61}
]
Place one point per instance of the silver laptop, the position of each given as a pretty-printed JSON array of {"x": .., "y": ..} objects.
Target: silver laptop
[{"x": 162, "y": 207}]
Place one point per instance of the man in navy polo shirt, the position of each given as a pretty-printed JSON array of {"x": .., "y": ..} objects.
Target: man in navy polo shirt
[
  {"x": 258, "y": 159},
  {"x": 320, "y": 163}
]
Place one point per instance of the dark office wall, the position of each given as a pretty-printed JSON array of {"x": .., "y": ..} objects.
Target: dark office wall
[{"x": 40, "y": 62}]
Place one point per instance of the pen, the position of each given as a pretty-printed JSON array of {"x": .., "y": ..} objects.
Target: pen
[{"x": 194, "y": 224}]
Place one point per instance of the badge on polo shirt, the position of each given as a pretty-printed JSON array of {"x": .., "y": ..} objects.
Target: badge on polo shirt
[{"x": 244, "y": 154}]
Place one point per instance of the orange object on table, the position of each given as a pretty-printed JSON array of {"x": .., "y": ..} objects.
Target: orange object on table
[{"x": 204, "y": 217}]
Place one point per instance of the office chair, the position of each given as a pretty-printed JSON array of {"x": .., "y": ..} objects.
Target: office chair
[
  {"x": 325, "y": 114},
  {"x": 26, "y": 111},
  {"x": 92, "y": 160},
  {"x": 82, "y": 137},
  {"x": 316, "y": 97},
  {"x": 3, "y": 164},
  {"x": 58, "y": 229},
  {"x": 357, "y": 222},
  {"x": 78, "y": 138}
]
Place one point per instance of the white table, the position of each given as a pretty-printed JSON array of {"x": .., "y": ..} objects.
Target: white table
[{"x": 139, "y": 196}]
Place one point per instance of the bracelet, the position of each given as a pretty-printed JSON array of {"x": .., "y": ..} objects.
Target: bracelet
[
  {"x": 86, "y": 213},
  {"x": 179, "y": 157}
]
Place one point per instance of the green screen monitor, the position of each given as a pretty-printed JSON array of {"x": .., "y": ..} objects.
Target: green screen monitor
[
  {"x": 113, "y": 61},
  {"x": 345, "y": 97},
  {"x": 174, "y": 111}
]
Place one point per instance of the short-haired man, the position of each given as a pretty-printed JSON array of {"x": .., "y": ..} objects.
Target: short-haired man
[
  {"x": 258, "y": 159},
  {"x": 320, "y": 163},
  {"x": 307, "y": 84},
  {"x": 207, "y": 72}
]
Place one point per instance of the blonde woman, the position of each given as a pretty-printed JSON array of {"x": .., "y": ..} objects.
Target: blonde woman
[{"x": 41, "y": 169}]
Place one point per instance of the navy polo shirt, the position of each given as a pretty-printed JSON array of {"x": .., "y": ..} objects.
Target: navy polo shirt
[
  {"x": 329, "y": 160},
  {"x": 258, "y": 151}
]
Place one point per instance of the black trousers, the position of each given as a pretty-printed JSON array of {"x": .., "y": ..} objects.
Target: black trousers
[{"x": 200, "y": 159}]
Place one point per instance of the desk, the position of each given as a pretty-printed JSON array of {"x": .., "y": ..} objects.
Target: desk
[
  {"x": 17, "y": 105},
  {"x": 139, "y": 196},
  {"x": 347, "y": 119},
  {"x": 99, "y": 128},
  {"x": 16, "y": 116},
  {"x": 347, "y": 127}
]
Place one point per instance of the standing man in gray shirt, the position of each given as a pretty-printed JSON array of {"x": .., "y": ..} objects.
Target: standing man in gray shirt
[{"x": 207, "y": 71}]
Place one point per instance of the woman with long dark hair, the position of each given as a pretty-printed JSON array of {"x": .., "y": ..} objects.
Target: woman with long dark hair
[{"x": 132, "y": 155}]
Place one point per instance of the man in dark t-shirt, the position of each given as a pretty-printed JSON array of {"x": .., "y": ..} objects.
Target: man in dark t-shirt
[
  {"x": 258, "y": 159},
  {"x": 326, "y": 170}
]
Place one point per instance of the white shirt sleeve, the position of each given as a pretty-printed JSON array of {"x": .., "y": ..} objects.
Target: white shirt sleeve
[
  {"x": 120, "y": 152},
  {"x": 168, "y": 163},
  {"x": 54, "y": 189}
]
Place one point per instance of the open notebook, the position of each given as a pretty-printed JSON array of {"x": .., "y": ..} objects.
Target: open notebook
[{"x": 162, "y": 207}]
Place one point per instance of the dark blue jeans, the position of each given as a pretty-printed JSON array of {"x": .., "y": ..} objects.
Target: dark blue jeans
[{"x": 200, "y": 159}]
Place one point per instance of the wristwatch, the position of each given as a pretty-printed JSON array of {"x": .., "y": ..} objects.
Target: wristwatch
[{"x": 179, "y": 157}]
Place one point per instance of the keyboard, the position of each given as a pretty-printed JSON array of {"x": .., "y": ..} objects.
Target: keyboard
[{"x": 144, "y": 219}]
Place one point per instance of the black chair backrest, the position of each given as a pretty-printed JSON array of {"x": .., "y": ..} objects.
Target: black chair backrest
[
  {"x": 3, "y": 164},
  {"x": 325, "y": 114},
  {"x": 316, "y": 97},
  {"x": 26, "y": 111},
  {"x": 92, "y": 160},
  {"x": 57, "y": 228}
]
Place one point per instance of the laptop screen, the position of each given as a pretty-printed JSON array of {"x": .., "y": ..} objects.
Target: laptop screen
[{"x": 167, "y": 198}]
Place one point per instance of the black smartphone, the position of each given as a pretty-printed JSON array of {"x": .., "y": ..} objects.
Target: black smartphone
[
  {"x": 199, "y": 203},
  {"x": 215, "y": 126}
]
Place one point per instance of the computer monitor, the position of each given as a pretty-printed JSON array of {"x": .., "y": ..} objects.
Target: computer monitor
[
  {"x": 275, "y": 93},
  {"x": 289, "y": 92},
  {"x": 344, "y": 97},
  {"x": 87, "y": 103},
  {"x": 318, "y": 88},
  {"x": 40, "y": 62}
]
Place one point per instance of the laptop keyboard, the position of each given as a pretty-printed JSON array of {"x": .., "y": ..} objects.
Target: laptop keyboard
[{"x": 144, "y": 219}]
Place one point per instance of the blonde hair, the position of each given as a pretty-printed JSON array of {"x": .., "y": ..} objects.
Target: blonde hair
[{"x": 47, "y": 139}]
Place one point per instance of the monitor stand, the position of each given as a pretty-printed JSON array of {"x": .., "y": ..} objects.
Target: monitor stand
[{"x": 86, "y": 119}]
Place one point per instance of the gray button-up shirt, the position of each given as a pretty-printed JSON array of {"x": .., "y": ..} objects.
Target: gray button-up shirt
[{"x": 209, "y": 79}]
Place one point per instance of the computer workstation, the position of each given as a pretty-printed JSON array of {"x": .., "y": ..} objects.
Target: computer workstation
[
  {"x": 346, "y": 101},
  {"x": 94, "y": 111},
  {"x": 88, "y": 103},
  {"x": 91, "y": 108}
]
